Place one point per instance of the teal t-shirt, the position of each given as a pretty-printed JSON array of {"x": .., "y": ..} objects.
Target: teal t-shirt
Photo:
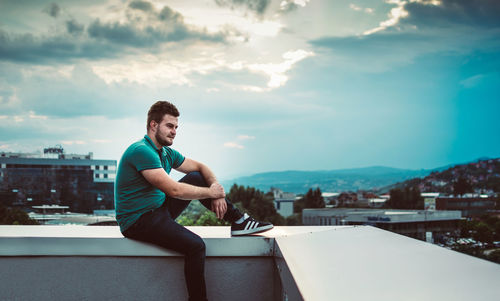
[{"x": 134, "y": 195}]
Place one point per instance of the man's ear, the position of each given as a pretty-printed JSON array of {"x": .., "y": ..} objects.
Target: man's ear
[{"x": 153, "y": 124}]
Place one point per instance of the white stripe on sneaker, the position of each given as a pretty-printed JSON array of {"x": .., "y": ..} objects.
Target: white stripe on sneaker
[{"x": 247, "y": 226}]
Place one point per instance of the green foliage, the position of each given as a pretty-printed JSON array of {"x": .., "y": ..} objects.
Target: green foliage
[
  {"x": 462, "y": 186},
  {"x": 485, "y": 230},
  {"x": 14, "y": 216},
  {"x": 312, "y": 199},
  {"x": 407, "y": 198},
  {"x": 259, "y": 205},
  {"x": 483, "y": 233},
  {"x": 494, "y": 256},
  {"x": 208, "y": 218},
  {"x": 197, "y": 215},
  {"x": 294, "y": 220}
]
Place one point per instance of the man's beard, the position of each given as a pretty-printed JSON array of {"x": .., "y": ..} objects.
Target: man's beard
[{"x": 162, "y": 141}]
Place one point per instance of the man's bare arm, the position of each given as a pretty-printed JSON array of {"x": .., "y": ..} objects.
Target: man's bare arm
[
  {"x": 161, "y": 180},
  {"x": 190, "y": 165}
]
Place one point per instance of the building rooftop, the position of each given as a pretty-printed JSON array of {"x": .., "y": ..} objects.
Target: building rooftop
[{"x": 286, "y": 263}]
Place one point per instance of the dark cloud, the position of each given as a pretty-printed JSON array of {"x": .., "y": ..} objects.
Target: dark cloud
[
  {"x": 257, "y": 6},
  {"x": 30, "y": 48},
  {"x": 141, "y": 5},
  {"x": 481, "y": 13},
  {"x": 454, "y": 26},
  {"x": 104, "y": 39},
  {"x": 130, "y": 35},
  {"x": 170, "y": 29},
  {"x": 53, "y": 10},
  {"x": 74, "y": 27},
  {"x": 168, "y": 14},
  {"x": 288, "y": 7}
]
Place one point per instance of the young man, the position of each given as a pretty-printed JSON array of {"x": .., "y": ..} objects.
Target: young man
[{"x": 147, "y": 199}]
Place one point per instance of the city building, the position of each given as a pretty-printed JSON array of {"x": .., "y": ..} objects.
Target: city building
[
  {"x": 470, "y": 206},
  {"x": 53, "y": 177},
  {"x": 430, "y": 200},
  {"x": 283, "y": 201},
  {"x": 330, "y": 198},
  {"x": 420, "y": 224}
]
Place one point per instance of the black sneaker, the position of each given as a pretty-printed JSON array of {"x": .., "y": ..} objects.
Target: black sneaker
[{"x": 249, "y": 226}]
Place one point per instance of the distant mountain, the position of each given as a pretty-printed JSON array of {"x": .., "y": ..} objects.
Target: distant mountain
[
  {"x": 366, "y": 178},
  {"x": 483, "y": 175}
]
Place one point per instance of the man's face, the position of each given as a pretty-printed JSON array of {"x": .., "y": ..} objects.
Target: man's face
[{"x": 166, "y": 130}]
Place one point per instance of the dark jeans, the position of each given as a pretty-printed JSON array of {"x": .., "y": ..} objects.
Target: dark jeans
[{"x": 159, "y": 227}]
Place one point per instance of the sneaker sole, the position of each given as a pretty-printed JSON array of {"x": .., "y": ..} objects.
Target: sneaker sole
[{"x": 251, "y": 231}]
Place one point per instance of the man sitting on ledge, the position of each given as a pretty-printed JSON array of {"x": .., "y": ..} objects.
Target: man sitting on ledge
[{"x": 147, "y": 199}]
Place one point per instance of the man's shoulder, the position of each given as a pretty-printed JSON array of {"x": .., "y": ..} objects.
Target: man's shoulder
[
  {"x": 171, "y": 152},
  {"x": 139, "y": 148}
]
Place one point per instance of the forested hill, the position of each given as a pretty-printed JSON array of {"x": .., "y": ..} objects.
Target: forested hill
[
  {"x": 481, "y": 176},
  {"x": 328, "y": 180}
]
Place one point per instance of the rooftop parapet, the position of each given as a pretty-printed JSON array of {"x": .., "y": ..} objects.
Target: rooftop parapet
[{"x": 286, "y": 263}]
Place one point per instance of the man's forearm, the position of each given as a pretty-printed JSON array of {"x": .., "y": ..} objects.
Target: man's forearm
[
  {"x": 208, "y": 175},
  {"x": 160, "y": 179},
  {"x": 185, "y": 191}
]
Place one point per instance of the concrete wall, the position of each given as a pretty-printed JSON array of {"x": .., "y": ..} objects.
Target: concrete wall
[
  {"x": 134, "y": 278},
  {"x": 326, "y": 263}
]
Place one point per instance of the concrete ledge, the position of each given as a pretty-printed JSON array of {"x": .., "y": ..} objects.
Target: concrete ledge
[
  {"x": 287, "y": 263},
  {"x": 367, "y": 263},
  {"x": 108, "y": 241}
]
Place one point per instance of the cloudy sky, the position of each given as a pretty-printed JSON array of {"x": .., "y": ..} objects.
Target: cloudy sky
[{"x": 262, "y": 85}]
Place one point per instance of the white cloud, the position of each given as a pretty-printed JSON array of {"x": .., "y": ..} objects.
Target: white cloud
[
  {"x": 286, "y": 4},
  {"x": 32, "y": 115},
  {"x": 71, "y": 142},
  {"x": 101, "y": 141},
  {"x": 397, "y": 13},
  {"x": 472, "y": 81},
  {"x": 245, "y": 137},
  {"x": 233, "y": 145},
  {"x": 155, "y": 70},
  {"x": 212, "y": 90},
  {"x": 276, "y": 71}
]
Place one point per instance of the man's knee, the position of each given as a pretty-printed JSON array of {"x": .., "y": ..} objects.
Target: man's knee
[
  {"x": 198, "y": 246},
  {"x": 194, "y": 178}
]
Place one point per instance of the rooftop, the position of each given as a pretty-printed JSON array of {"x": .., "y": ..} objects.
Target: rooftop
[{"x": 286, "y": 263}]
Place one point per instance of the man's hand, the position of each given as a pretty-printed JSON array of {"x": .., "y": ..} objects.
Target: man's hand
[
  {"x": 217, "y": 191},
  {"x": 219, "y": 206}
]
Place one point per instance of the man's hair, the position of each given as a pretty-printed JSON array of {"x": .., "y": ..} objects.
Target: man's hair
[{"x": 159, "y": 109}]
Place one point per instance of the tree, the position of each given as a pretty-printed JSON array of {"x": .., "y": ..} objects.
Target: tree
[
  {"x": 256, "y": 203},
  {"x": 407, "y": 198},
  {"x": 208, "y": 218},
  {"x": 462, "y": 186},
  {"x": 483, "y": 233},
  {"x": 294, "y": 220},
  {"x": 312, "y": 199},
  {"x": 494, "y": 256},
  {"x": 14, "y": 216}
]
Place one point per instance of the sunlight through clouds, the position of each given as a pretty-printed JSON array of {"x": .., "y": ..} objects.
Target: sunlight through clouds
[
  {"x": 335, "y": 77},
  {"x": 276, "y": 71}
]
